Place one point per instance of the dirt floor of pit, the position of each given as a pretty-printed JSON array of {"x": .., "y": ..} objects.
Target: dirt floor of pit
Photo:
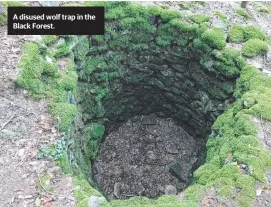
[{"x": 147, "y": 156}]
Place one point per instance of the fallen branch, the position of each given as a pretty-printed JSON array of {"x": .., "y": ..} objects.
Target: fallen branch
[
  {"x": 47, "y": 191},
  {"x": 7, "y": 122}
]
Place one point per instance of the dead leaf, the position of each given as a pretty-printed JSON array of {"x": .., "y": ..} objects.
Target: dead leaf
[
  {"x": 205, "y": 202},
  {"x": 48, "y": 205},
  {"x": 220, "y": 205},
  {"x": 46, "y": 199},
  {"x": 229, "y": 155},
  {"x": 266, "y": 187},
  {"x": 40, "y": 131},
  {"x": 33, "y": 152},
  {"x": 37, "y": 202},
  {"x": 45, "y": 125}
]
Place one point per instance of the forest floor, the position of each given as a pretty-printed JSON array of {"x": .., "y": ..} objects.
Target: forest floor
[{"x": 26, "y": 124}]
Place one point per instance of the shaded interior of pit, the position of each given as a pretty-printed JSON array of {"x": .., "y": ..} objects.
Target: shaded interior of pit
[
  {"x": 162, "y": 85},
  {"x": 182, "y": 82},
  {"x": 147, "y": 156}
]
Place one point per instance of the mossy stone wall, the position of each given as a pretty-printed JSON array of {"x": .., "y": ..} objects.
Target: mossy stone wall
[{"x": 150, "y": 60}]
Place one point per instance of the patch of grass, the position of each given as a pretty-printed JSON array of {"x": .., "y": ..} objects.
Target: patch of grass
[
  {"x": 215, "y": 38},
  {"x": 243, "y": 13},
  {"x": 254, "y": 47}
]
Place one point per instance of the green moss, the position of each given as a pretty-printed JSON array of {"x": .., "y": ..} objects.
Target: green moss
[
  {"x": 240, "y": 33},
  {"x": 81, "y": 49},
  {"x": 94, "y": 130},
  {"x": 163, "y": 201},
  {"x": 243, "y": 13},
  {"x": 236, "y": 34},
  {"x": 82, "y": 191},
  {"x": 62, "y": 50},
  {"x": 72, "y": 5},
  {"x": 49, "y": 68},
  {"x": 31, "y": 70},
  {"x": 199, "y": 18},
  {"x": 64, "y": 113},
  {"x": 185, "y": 4},
  {"x": 230, "y": 61},
  {"x": 252, "y": 32},
  {"x": 221, "y": 16},
  {"x": 93, "y": 134},
  {"x": 254, "y": 47},
  {"x": 49, "y": 39},
  {"x": 64, "y": 164},
  {"x": 215, "y": 38},
  {"x": 14, "y": 4},
  {"x": 67, "y": 80},
  {"x": 260, "y": 7},
  {"x": 3, "y": 6}
]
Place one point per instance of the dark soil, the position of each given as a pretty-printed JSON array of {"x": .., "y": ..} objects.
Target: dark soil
[{"x": 146, "y": 156}]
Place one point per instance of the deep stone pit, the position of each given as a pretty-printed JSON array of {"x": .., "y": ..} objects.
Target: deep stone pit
[
  {"x": 154, "y": 64},
  {"x": 146, "y": 156}
]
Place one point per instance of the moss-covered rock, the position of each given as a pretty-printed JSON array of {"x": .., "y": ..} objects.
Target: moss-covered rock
[
  {"x": 243, "y": 13},
  {"x": 221, "y": 16},
  {"x": 240, "y": 33},
  {"x": 254, "y": 47},
  {"x": 199, "y": 18},
  {"x": 215, "y": 38},
  {"x": 252, "y": 32},
  {"x": 31, "y": 70},
  {"x": 236, "y": 34}
]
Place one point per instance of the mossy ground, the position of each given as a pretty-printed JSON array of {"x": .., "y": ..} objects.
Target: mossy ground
[{"x": 39, "y": 73}]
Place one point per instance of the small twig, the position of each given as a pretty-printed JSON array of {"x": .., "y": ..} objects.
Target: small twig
[
  {"x": 52, "y": 192},
  {"x": 7, "y": 122}
]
